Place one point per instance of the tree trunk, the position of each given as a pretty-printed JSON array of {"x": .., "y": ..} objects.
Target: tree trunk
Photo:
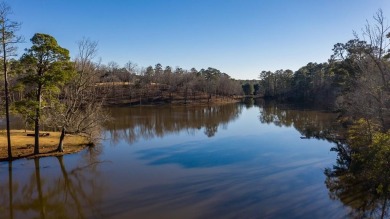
[
  {"x": 6, "y": 95},
  {"x": 37, "y": 117},
  {"x": 7, "y": 116},
  {"x": 60, "y": 147},
  {"x": 185, "y": 95}
]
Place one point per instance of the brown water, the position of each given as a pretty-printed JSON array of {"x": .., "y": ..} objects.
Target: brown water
[{"x": 228, "y": 161}]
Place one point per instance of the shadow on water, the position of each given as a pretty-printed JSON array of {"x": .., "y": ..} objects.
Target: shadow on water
[{"x": 54, "y": 193}]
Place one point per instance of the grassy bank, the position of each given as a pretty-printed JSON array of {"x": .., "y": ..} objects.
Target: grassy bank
[{"x": 23, "y": 145}]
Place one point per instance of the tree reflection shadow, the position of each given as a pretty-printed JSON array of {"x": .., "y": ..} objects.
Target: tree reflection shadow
[
  {"x": 145, "y": 122},
  {"x": 310, "y": 123},
  {"x": 10, "y": 189},
  {"x": 360, "y": 180},
  {"x": 71, "y": 194}
]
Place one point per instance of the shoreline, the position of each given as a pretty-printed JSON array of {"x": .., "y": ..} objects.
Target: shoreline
[
  {"x": 23, "y": 141},
  {"x": 23, "y": 145},
  {"x": 163, "y": 100}
]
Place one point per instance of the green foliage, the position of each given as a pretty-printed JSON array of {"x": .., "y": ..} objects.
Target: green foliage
[
  {"x": 210, "y": 75},
  {"x": 46, "y": 67},
  {"x": 248, "y": 88},
  {"x": 361, "y": 177},
  {"x": 46, "y": 51},
  {"x": 276, "y": 84},
  {"x": 25, "y": 108},
  {"x": 256, "y": 88},
  {"x": 46, "y": 64},
  {"x": 360, "y": 134}
]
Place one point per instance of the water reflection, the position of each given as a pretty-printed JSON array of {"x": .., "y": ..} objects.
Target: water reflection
[
  {"x": 287, "y": 190},
  {"x": 361, "y": 181},
  {"x": 134, "y": 123},
  {"x": 203, "y": 154},
  {"x": 250, "y": 169},
  {"x": 10, "y": 190},
  {"x": 53, "y": 192},
  {"x": 234, "y": 175},
  {"x": 143, "y": 122},
  {"x": 310, "y": 123}
]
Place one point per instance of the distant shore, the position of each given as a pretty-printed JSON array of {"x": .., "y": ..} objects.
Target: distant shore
[{"x": 160, "y": 100}]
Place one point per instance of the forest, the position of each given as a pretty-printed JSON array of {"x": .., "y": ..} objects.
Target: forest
[
  {"x": 51, "y": 91},
  {"x": 46, "y": 88},
  {"x": 354, "y": 81}
]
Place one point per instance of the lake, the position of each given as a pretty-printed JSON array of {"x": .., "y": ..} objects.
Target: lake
[{"x": 247, "y": 160}]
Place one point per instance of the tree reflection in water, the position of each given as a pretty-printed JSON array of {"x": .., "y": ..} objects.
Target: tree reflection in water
[
  {"x": 71, "y": 194},
  {"x": 361, "y": 176},
  {"x": 360, "y": 180},
  {"x": 10, "y": 189},
  {"x": 310, "y": 123},
  {"x": 145, "y": 122}
]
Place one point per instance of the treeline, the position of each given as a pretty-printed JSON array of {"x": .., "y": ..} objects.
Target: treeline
[
  {"x": 355, "y": 80},
  {"x": 315, "y": 83},
  {"x": 133, "y": 85},
  {"x": 48, "y": 89}
]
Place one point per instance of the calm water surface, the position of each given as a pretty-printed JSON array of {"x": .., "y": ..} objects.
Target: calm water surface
[{"x": 230, "y": 161}]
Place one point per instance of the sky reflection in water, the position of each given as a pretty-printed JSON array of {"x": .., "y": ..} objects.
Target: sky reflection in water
[
  {"x": 246, "y": 169},
  {"x": 232, "y": 161}
]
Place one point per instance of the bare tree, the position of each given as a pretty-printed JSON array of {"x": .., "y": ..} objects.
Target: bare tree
[
  {"x": 8, "y": 48},
  {"x": 373, "y": 81},
  {"x": 131, "y": 69},
  {"x": 375, "y": 35},
  {"x": 80, "y": 109}
]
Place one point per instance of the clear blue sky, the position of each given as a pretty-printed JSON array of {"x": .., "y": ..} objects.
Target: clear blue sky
[{"x": 239, "y": 37}]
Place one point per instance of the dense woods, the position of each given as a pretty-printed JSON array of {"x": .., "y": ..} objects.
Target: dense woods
[
  {"x": 134, "y": 85},
  {"x": 355, "y": 80},
  {"x": 48, "y": 89}
]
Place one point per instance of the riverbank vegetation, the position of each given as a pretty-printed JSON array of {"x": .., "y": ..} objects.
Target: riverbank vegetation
[
  {"x": 46, "y": 88},
  {"x": 355, "y": 81}
]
